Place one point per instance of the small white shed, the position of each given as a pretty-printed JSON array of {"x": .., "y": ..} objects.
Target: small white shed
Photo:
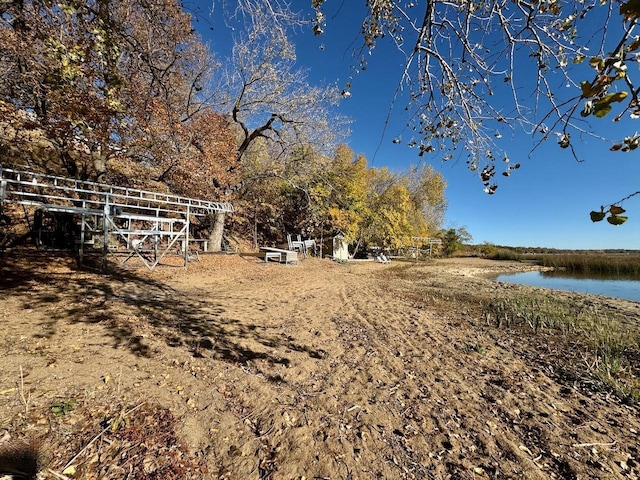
[{"x": 340, "y": 248}]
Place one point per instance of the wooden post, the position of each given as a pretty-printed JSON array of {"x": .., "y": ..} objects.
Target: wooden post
[
  {"x": 105, "y": 231},
  {"x": 186, "y": 241},
  {"x": 82, "y": 223}
]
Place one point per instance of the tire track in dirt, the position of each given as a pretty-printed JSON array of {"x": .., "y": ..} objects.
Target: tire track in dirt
[
  {"x": 399, "y": 383},
  {"x": 417, "y": 364},
  {"x": 434, "y": 392},
  {"x": 269, "y": 401}
]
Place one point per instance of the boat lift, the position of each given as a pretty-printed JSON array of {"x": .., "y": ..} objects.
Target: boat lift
[
  {"x": 421, "y": 241},
  {"x": 148, "y": 225}
]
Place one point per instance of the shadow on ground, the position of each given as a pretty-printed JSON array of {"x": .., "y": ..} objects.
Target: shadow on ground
[{"x": 127, "y": 303}]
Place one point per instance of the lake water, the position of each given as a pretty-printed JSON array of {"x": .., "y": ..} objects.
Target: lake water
[{"x": 627, "y": 289}]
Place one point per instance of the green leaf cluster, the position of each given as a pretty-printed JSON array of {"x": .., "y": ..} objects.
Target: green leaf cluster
[
  {"x": 453, "y": 240},
  {"x": 613, "y": 215},
  {"x": 63, "y": 407},
  {"x": 601, "y": 106}
]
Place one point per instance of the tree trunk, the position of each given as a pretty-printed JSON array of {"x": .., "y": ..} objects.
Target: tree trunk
[
  {"x": 100, "y": 165},
  {"x": 357, "y": 247},
  {"x": 215, "y": 236},
  {"x": 255, "y": 228}
]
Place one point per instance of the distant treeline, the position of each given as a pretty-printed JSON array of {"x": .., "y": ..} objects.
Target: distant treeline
[{"x": 556, "y": 251}]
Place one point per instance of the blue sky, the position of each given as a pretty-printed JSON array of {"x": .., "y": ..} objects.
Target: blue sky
[{"x": 545, "y": 203}]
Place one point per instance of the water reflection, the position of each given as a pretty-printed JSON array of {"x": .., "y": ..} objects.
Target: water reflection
[{"x": 559, "y": 280}]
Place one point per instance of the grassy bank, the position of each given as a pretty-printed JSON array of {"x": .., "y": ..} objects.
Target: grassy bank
[
  {"x": 593, "y": 343},
  {"x": 604, "y": 344}
]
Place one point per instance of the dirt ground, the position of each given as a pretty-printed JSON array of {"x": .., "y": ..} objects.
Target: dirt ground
[{"x": 236, "y": 369}]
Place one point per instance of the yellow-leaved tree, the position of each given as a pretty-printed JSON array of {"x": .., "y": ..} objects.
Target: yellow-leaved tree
[
  {"x": 404, "y": 206},
  {"x": 345, "y": 186}
]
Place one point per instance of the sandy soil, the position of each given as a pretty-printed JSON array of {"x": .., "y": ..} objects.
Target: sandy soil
[{"x": 237, "y": 369}]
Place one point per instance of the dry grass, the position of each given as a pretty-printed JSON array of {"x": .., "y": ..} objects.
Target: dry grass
[{"x": 608, "y": 345}]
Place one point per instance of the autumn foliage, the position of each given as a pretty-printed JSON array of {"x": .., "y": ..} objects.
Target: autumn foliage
[{"x": 125, "y": 92}]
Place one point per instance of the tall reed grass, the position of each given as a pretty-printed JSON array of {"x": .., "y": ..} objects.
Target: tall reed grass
[{"x": 598, "y": 264}]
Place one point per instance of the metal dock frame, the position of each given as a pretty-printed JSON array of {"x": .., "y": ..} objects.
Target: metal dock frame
[{"x": 135, "y": 217}]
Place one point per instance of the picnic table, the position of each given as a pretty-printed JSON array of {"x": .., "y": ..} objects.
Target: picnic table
[{"x": 279, "y": 254}]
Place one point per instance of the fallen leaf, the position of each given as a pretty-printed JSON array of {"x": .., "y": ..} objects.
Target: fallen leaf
[{"x": 70, "y": 470}]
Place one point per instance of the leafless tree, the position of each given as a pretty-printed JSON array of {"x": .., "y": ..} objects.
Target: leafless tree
[{"x": 266, "y": 94}]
